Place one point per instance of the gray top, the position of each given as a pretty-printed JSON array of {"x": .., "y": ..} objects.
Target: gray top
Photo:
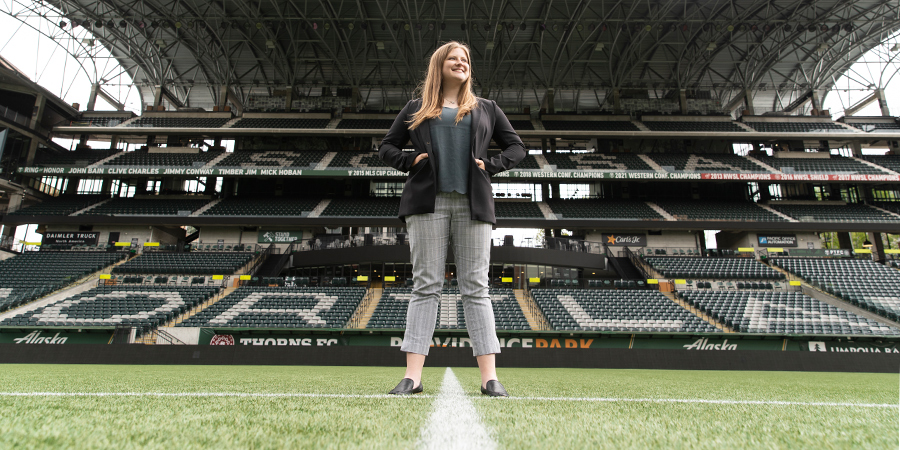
[{"x": 451, "y": 143}]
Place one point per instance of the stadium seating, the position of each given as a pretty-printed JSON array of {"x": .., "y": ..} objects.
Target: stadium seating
[
  {"x": 863, "y": 283},
  {"x": 143, "y": 158},
  {"x": 834, "y": 213},
  {"x": 281, "y": 123},
  {"x": 32, "y": 275},
  {"x": 721, "y": 268},
  {"x": 262, "y": 206},
  {"x": 796, "y": 127},
  {"x": 726, "y": 127},
  {"x": 833, "y": 165},
  {"x": 100, "y": 121},
  {"x": 517, "y": 210},
  {"x": 277, "y": 158},
  {"x": 179, "y": 122},
  {"x": 620, "y": 162},
  {"x": 616, "y": 310},
  {"x": 893, "y": 207},
  {"x": 281, "y": 307},
  {"x": 520, "y": 125},
  {"x": 60, "y": 206},
  {"x": 782, "y": 313},
  {"x": 363, "y": 207},
  {"x": 365, "y": 124},
  {"x": 529, "y": 162},
  {"x": 193, "y": 263},
  {"x": 145, "y": 207},
  {"x": 391, "y": 310},
  {"x": 589, "y": 125},
  {"x": 144, "y": 307},
  {"x": 876, "y": 127},
  {"x": 712, "y": 210},
  {"x": 602, "y": 209},
  {"x": 891, "y": 162},
  {"x": 78, "y": 158},
  {"x": 357, "y": 159},
  {"x": 707, "y": 162}
]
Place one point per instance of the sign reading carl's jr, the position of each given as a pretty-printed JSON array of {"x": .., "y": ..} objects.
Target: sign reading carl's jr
[{"x": 625, "y": 240}]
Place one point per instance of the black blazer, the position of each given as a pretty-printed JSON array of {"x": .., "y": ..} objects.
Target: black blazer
[{"x": 420, "y": 190}]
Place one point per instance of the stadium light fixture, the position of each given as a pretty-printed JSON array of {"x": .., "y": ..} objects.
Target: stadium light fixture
[
  {"x": 123, "y": 23},
  {"x": 270, "y": 43},
  {"x": 895, "y": 48},
  {"x": 599, "y": 47},
  {"x": 379, "y": 45},
  {"x": 62, "y": 24},
  {"x": 867, "y": 243},
  {"x": 98, "y": 24},
  {"x": 711, "y": 46}
]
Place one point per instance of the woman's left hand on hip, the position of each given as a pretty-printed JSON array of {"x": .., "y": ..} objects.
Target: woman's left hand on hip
[{"x": 480, "y": 164}]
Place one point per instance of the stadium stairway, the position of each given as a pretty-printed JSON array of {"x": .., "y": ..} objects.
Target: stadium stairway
[
  {"x": 212, "y": 301},
  {"x": 759, "y": 161},
  {"x": 323, "y": 164},
  {"x": 333, "y": 124},
  {"x": 206, "y": 207},
  {"x": 777, "y": 213},
  {"x": 661, "y": 211},
  {"x": 363, "y": 314},
  {"x": 706, "y": 318},
  {"x": 90, "y": 207},
  {"x": 319, "y": 208},
  {"x": 541, "y": 160},
  {"x": 650, "y": 162},
  {"x": 884, "y": 210},
  {"x": 823, "y": 296},
  {"x": 873, "y": 165},
  {"x": 271, "y": 266},
  {"x": 215, "y": 161},
  {"x": 625, "y": 269},
  {"x": 545, "y": 209},
  {"x": 105, "y": 160},
  {"x": 532, "y": 312}
]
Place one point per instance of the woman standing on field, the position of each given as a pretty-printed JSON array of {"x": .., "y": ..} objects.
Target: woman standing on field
[{"x": 447, "y": 200}]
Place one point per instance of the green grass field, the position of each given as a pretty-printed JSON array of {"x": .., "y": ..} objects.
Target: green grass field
[{"x": 228, "y": 407}]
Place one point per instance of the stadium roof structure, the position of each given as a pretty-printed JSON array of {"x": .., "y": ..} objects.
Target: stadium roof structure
[{"x": 193, "y": 53}]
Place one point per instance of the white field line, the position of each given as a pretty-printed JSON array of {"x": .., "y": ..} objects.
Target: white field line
[
  {"x": 454, "y": 422},
  {"x": 386, "y": 396}
]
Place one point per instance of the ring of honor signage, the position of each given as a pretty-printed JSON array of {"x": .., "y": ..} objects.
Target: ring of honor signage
[
  {"x": 70, "y": 238},
  {"x": 784, "y": 240},
  {"x": 625, "y": 240}
]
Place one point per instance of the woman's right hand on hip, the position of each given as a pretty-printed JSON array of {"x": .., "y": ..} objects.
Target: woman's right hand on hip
[{"x": 419, "y": 158}]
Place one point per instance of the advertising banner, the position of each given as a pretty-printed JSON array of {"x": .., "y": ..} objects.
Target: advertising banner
[
  {"x": 70, "y": 238},
  {"x": 818, "y": 252},
  {"x": 625, "y": 240},
  {"x": 50, "y": 337},
  {"x": 890, "y": 348},
  {"x": 279, "y": 237},
  {"x": 771, "y": 240}
]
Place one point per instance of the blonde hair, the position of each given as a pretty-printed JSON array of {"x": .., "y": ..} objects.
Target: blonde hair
[{"x": 432, "y": 92}]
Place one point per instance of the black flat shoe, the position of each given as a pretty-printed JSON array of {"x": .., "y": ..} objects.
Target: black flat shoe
[
  {"x": 493, "y": 388},
  {"x": 405, "y": 387}
]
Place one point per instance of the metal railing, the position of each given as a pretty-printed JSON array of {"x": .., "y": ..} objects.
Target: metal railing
[
  {"x": 258, "y": 262},
  {"x": 637, "y": 262}
]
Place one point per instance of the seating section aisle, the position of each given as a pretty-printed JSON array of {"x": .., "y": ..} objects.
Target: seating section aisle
[
  {"x": 589, "y": 125},
  {"x": 60, "y": 206},
  {"x": 79, "y": 158},
  {"x": 365, "y": 124},
  {"x": 891, "y": 162},
  {"x": 835, "y": 213},
  {"x": 726, "y": 127},
  {"x": 193, "y": 263},
  {"x": 281, "y": 307},
  {"x": 357, "y": 159},
  {"x": 179, "y": 122},
  {"x": 363, "y": 207},
  {"x": 517, "y": 210},
  {"x": 721, "y": 268},
  {"x": 143, "y": 158},
  {"x": 602, "y": 209},
  {"x": 31, "y": 275},
  {"x": 262, "y": 206},
  {"x": 797, "y": 127},
  {"x": 876, "y": 127},
  {"x": 782, "y": 313},
  {"x": 833, "y": 165},
  {"x": 144, "y": 307},
  {"x": 391, "y": 310},
  {"x": 863, "y": 283},
  {"x": 276, "y": 158},
  {"x": 707, "y": 163},
  {"x": 616, "y": 310},
  {"x": 893, "y": 207},
  {"x": 275, "y": 122},
  {"x": 727, "y": 211},
  {"x": 146, "y": 207},
  {"x": 624, "y": 162}
]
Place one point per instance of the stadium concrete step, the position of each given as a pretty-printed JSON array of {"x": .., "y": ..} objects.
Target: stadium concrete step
[
  {"x": 366, "y": 308},
  {"x": 215, "y": 161},
  {"x": 206, "y": 207},
  {"x": 533, "y": 315},
  {"x": 196, "y": 310},
  {"x": 777, "y": 213},
  {"x": 541, "y": 161},
  {"x": 536, "y": 123},
  {"x": 323, "y": 164},
  {"x": 650, "y": 162},
  {"x": 333, "y": 124},
  {"x": 70, "y": 291},
  {"x": 83, "y": 210},
  {"x": 708, "y": 319},
  {"x": 884, "y": 211},
  {"x": 319, "y": 208},
  {"x": 231, "y": 122},
  {"x": 823, "y": 296},
  {"x": 545, "y": 209},
  {"x": 876, "y": 166},
  {"x": 759, "y": 161},
  {"x": 640, "y": 125},
  {"x": 661, "y": 211},
  {"x": 104, "y": 160}
]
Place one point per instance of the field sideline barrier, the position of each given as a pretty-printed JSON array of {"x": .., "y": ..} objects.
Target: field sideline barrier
[{"x": 449, "y": 357}]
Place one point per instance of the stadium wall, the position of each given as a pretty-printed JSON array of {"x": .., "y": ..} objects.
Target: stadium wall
[{"x": 738, "y": 239}]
